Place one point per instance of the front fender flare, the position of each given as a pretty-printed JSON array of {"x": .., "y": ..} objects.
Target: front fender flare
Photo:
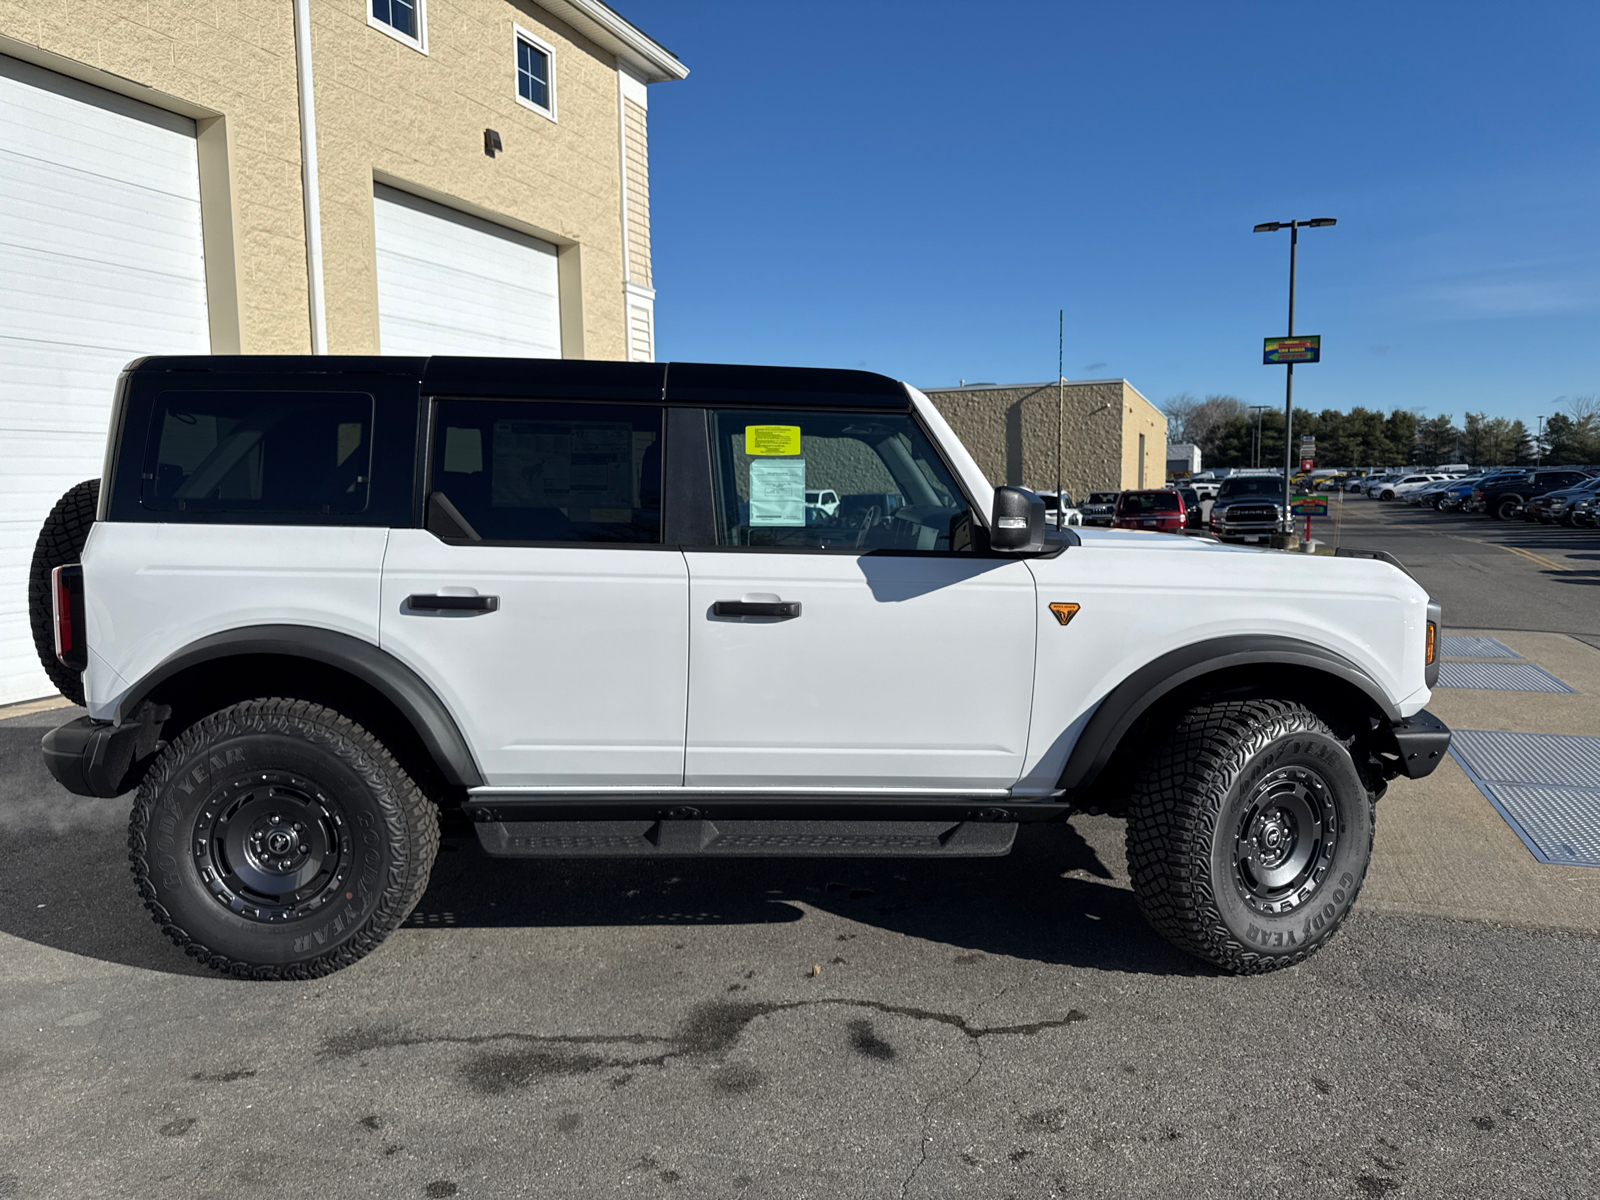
[{"x": 1131, "y": 698}]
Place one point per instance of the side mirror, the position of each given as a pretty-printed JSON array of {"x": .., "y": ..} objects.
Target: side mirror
[{"x": 1019, "y": 520}]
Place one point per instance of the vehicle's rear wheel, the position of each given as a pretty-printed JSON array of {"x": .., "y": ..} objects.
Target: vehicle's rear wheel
[
  {"x": 1506, "y": 507},
  {"x": 277, "y": 839},
  {"x": 1250, "y": 834},
  {"x": 60, "y": 544}
]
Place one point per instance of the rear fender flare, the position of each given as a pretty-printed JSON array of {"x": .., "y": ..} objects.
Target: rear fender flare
[
  {"x": 1135, "y": 695},
  {"x": 416, "y": 702}
]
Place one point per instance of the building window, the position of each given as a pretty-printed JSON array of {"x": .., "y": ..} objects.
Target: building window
[
  {"x": 403, "y": 20},
  {"x": 536, "y": 84}
]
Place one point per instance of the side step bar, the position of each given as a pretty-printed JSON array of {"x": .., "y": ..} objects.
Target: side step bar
[{"x": 746, "y": 839}]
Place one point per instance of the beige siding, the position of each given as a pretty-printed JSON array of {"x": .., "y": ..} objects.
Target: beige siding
[
  {"x": 635, "y": 135},
  {"x": 641, "y": 333}
]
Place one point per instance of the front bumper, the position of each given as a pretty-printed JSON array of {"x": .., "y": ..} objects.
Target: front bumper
[
  {"x": 98, "y": 758},
  {"x": 1420, "y": 742}
]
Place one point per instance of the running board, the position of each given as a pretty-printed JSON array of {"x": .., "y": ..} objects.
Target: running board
[{"x": 746, "y": 839}]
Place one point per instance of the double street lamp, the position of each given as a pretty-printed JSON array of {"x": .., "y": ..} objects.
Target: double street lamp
[{"x": 1294, "y": 228}]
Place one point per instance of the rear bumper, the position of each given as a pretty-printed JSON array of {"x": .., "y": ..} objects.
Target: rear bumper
[
  {"x": 96, "y": 758},
  {"x": 1421, "y": 741}
]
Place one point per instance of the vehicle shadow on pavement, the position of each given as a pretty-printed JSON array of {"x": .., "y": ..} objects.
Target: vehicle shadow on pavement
[
  {"x": 65, "y": 884},
  {"x": 64, "y": 876},
  {"x": 1053, "y": 899}
]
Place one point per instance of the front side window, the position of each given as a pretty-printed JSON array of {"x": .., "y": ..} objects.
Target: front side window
[
  {"x": 535, "y": 76},
  {"x": 526, "y": 471},
  {"x": 259, "y": 452},
  {"x": 833, "y": 481},
  {"x": 401, "y": 18}
]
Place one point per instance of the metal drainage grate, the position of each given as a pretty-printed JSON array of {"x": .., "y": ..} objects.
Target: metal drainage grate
[
  {"x": 1500, "y": 677},
  {"x": 1545, "y": 785},
  {"x": 1475, "y": 647}
]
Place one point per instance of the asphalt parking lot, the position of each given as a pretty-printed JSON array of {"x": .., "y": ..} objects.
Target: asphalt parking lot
[{"x": 1004, "y": 1027}]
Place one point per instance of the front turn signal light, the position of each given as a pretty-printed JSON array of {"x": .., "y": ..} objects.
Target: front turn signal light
[{"x": 1433, "y": 644}]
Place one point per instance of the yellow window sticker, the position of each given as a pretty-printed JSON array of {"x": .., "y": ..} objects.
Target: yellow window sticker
[{"x": 771, "y": 439}]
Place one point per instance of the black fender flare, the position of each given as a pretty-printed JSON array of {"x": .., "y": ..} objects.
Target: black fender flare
[
  {"x": 1130, "y": 699},
  {"x": 416, "y": 702}
]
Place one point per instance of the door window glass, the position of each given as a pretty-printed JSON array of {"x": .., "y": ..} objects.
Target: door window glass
[
  {"x": 525, "y": 471},
  {"x": 267, "y": 452},
  {"x": 828, "y": 481}
]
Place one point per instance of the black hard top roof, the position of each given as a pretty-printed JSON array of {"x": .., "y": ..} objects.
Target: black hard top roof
[{"x": 718, "y": 384}]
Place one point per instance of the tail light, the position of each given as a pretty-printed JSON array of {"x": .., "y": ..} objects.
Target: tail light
[{"x": 67, "y": 591}]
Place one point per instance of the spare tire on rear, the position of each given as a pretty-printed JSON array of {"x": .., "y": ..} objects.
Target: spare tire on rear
[{"x": 60, "y": 544}]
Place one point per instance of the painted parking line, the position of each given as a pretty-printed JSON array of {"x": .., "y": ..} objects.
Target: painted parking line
[{"x": 1549, "y": 564}]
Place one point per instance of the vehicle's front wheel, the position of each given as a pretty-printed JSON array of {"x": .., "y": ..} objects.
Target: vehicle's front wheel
[
  {"x": 277, "y": 839},
  {"x": 1250, "y": 834}
]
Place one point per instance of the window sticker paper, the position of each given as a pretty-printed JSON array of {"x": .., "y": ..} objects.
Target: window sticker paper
[
  {"x": 778, "y": 491},
  {"x": 771, "y": 439}
]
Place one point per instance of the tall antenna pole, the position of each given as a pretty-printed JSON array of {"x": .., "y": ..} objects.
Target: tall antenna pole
[{"x": 1061, "y": 389}]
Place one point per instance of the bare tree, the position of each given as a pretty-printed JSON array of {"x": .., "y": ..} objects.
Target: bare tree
[{"x": 1203, "y": 422}]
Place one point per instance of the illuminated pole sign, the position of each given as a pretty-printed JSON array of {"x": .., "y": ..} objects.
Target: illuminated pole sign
[{"x": 1292, "y": 349}]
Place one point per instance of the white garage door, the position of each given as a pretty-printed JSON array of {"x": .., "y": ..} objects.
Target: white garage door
[
  {"x": 100, "y": 263},
  {"x": 449, "y": 283}
]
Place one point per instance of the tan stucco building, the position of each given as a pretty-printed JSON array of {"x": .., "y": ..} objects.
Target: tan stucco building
[
  {"x": 404, "y": 101},
  {"x": 291, "y": 176},
  {"x": 1108, "y": 436}
]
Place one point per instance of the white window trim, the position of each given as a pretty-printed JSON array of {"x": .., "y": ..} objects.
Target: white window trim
[
  {"x": 519, "y": 34},
  {"x": 418, "y": 43}
]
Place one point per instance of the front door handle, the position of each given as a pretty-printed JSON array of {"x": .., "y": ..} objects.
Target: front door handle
[
  {"x": 784, "y": 610},
  {"x": 454, "y": 603}
]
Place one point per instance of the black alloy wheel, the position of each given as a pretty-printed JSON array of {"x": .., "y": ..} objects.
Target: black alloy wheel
[
  {"x": 1250, "y": 834},
  {"x": 277, "y": 839}
]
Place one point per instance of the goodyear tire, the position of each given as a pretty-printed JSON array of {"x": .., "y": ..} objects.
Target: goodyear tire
[
  {"x": 60, "y": 544},
  {"x": 1250, "y": 834},
  {"x": 277, "y": 839}
]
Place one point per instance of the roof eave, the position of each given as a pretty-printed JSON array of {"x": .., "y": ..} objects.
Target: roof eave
[{"x": 628, "y": 42}]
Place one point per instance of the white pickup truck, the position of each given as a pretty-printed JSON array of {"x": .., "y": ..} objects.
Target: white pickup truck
[{"x": 593, "y": 607}]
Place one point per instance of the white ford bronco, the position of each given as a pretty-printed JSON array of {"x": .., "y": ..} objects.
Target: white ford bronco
[{"x": 314, "y": 603}]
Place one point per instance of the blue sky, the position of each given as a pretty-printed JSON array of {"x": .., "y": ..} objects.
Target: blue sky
[{"x": 918, "y": 188}]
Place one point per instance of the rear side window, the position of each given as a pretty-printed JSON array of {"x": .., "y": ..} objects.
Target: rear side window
[
  {"x": 298, "y": 453},
  {"x": 529, "y": 471}
]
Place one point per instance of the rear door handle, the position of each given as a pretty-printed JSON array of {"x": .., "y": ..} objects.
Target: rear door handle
[
  {"x": 454, "y": 603},
  {"x": 783, "y": 609}
]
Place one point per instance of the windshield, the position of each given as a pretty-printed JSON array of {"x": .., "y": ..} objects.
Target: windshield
[
  {"x": 1102, "y": 498},
  {"x": 1255, "y": 485}
]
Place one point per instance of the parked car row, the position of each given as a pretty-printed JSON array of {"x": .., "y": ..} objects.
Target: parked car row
[{"x": 1550, "y": 495}]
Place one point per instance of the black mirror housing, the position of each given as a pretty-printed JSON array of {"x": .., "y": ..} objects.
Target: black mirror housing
[{"x": 1019, "y": 522}]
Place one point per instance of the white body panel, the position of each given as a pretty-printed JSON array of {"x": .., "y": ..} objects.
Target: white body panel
[
  {"x": 100, "y": 263},
  {"x": 578, "y": 680},
  {"x": 153, "y": 589},
  {"x": 1131, "y": 614},
  {"x": 449, "y": 283},
  {"x": 902, "y": 672}
]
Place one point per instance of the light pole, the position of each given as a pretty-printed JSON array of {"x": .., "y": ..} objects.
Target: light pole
[
  {"x": 1538, "y": 445},
  {"x": 1288, "y": 394},
  {"x": 1255, "y": 449}
]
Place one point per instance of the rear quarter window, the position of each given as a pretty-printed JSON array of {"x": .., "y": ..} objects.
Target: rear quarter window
[{"x": 259, "y": 453}]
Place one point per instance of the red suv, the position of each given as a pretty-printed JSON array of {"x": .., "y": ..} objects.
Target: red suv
[{"x": 1161, "y": 511}]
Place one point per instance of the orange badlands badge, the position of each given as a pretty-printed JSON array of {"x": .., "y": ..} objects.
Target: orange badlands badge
[{"x": 1064, "y": 612}]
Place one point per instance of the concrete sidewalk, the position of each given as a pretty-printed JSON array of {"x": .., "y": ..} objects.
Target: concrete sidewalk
[{"x": 1442, "y": 850}]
